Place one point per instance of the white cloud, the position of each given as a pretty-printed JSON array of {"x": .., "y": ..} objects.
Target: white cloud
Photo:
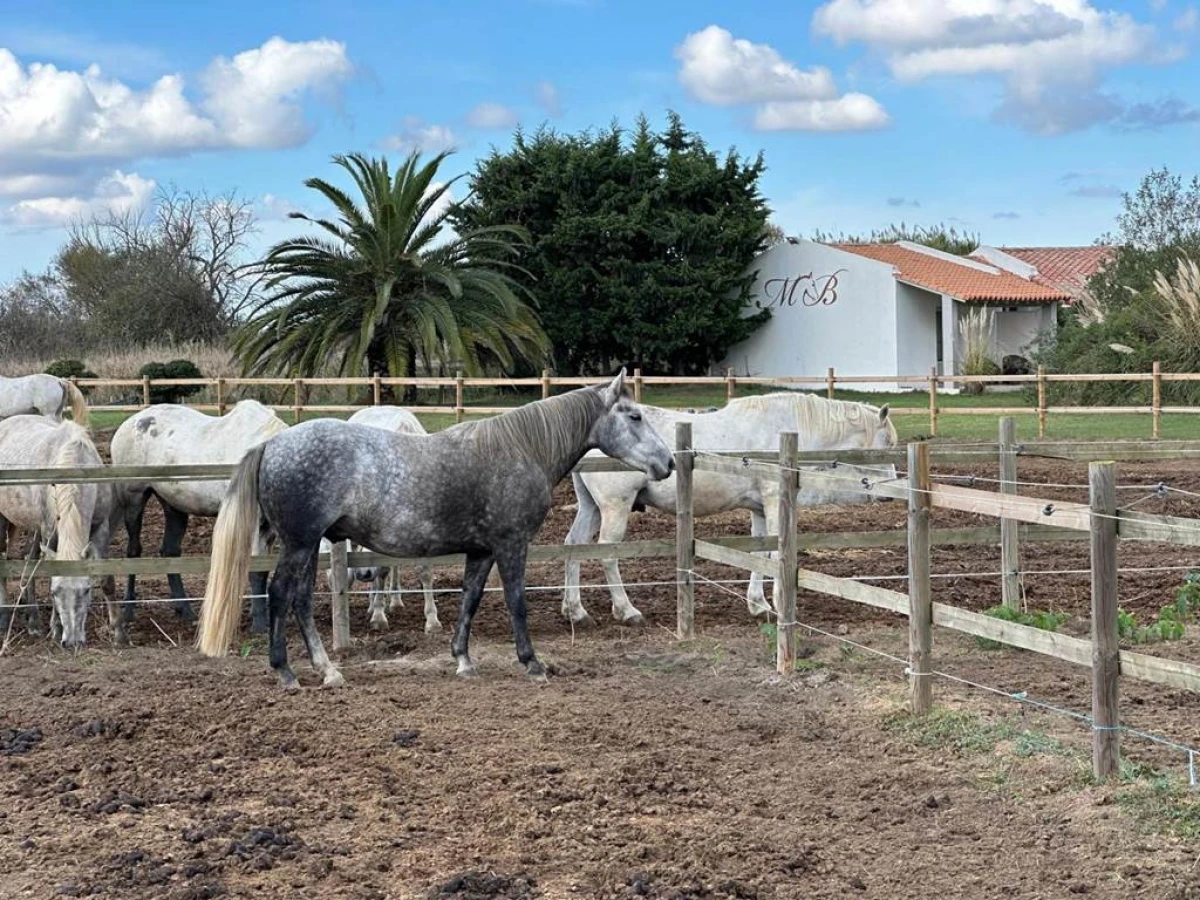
[
  {"x": 1188, "y": 20},
  {"x": 254, "y": 97},
  {"x": 717, "y": 68},
  {"x": 548, "y": 99},
  {"x": 722, "y": 70},
  {"x": 492, "y": 116},
  {"x": 420, "y": 136},
  {"x": 116, "y": 193},
  {"x": 850, "y": 112},
  {"x": 1052, "y": 54},
  {"x": 65, "y": 135}
]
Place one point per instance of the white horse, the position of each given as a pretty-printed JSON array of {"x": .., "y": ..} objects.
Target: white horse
[
  {"x": 41, "y": 395},
  {"x": 398, "y": 419},
  {"x": 70, "y": 521},
  {"x": 170, "y": 434},
  {"x": 750, "y": 424}
]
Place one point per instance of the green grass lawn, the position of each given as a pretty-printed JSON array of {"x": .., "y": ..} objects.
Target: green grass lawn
[{"x": 1087, "y": 426}]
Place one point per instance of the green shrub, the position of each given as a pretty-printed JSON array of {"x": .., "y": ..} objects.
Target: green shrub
[{"x": 176, "y": 368}]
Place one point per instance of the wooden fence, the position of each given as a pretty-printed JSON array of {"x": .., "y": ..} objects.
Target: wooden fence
[
  {"x": 1022, "y": 518},
  {"x": 221, "y": 389}
]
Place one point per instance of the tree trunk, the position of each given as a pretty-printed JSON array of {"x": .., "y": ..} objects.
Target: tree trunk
[{"x": 410, "y": 371}]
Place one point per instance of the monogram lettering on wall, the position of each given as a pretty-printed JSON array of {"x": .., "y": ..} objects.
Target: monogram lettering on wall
[{"x": 802, "y": 290}]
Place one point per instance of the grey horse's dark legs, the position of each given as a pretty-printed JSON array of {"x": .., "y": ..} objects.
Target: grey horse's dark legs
[
  {"x": 258, "y": 586},
  {"x": 512, "y": 573},
  {"x": 302, "y": 598},
  {"x": 172, "y": 545},
  {"x": 475, "y": 576}
]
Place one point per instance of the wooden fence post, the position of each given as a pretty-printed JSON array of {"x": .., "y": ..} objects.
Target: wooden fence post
[
  {"x": 1106, "y": 665},
  {"x": 830, "y": 381},
  {"x": 730, "y": 384},
  {"x": 220, "y": 396},
  {"x": 545, "y": 384},
  {"x": 339, "y": 587},
  {"x": 785, "y": 585},
  {"x": 933, "y": 410},
  {"x": 685, "y": 536},
  {"x": 1010, "y": 552},
  {"x": 459, "y": 412},
  {"x": 145, "y": 391},
  {"x": 637, "y": 385},
  {"x": 920, "y": 600},
  {"x": 1041, "y": 388},
  {"x": 1156, "y": 399},
  {"x": 298, "y": 401},
  {"x": 377, "y": 389}
]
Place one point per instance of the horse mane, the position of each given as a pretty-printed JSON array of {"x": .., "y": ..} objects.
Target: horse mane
[
  {"x": 823, "y": 419},
  {"x": 73, "y": 532},
  {"x": 270, "y": 427},
  {"x": 546, "y": 431}
]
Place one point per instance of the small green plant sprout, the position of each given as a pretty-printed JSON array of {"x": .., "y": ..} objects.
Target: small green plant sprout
[
  {"x": 1043, "y": 619},
  {"x": 1172, "y": 620}
]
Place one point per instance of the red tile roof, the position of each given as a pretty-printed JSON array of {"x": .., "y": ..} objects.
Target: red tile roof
[
  {"x": 958, "y": 279},
  {"x": 1065, "y": 268}
]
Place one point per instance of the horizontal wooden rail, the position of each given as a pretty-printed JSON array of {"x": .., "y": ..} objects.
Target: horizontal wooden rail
[
  {"x": 1013, "y": 506},
  {"x": 1139, "y": 526},
  {"x": 740, "y": 558}
]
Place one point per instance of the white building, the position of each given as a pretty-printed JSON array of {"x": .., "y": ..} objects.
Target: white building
[{"x": 893, "y": 309}]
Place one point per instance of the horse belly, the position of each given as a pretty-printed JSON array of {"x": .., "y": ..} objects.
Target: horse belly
[{"x": 194, "y": 498}]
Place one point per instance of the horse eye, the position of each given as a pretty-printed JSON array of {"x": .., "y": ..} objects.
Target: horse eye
[{"x": 637, "y": 417}]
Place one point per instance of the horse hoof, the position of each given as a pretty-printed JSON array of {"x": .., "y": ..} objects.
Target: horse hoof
[
  {"x": 121, "y": 639},
  {"x": 186, "y": 613},
  {"x": 466, "y": 669},
  {"x": 433, "y": 627},
  {"x": 258, "y": 628},
  {"x": 584, "y": 621},
  {"x": 634, "y": 621},
  {"x": 289, "y": 684},
  {"x": 536, "y": 671},
  {"x": 334, "y": 679},
  {"x": 379, "y": 623}
]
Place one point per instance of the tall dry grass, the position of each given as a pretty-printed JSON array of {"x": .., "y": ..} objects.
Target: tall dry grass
[
  {"x": 976, "y": 327},
  {"x": 1177, "y": 302}
]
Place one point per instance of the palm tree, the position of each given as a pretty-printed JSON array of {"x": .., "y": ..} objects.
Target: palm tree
[{"x": 389, "y": 285}]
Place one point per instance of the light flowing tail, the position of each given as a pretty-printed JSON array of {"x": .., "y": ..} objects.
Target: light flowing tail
[
  {"x": 74, "y": 396},
  {"x": 232, "y": 545}
]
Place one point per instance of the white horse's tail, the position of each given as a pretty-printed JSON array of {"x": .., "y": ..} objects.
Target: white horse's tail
[
  {"x": 232, "y": 545},
  {"x": 74, "y": 396}
]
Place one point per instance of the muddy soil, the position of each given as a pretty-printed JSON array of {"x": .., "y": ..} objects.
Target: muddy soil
[{"x": 644, "y": 768}]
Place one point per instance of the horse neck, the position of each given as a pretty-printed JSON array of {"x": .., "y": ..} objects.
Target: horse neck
[{"x": 554, "y": 433}]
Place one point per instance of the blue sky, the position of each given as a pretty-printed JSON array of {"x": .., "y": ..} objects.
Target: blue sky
[{"x": 1019, "y": 119}]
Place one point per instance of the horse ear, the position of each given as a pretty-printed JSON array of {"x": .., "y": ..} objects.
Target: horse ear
[
  {"x": 612, "y": 393},
  {"x": 883, "y": 413}
]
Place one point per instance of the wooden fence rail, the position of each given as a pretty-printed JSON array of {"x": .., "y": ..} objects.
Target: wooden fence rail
[{"x": 931, "y": 383}]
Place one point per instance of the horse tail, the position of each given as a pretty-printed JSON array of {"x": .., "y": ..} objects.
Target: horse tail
[
  {"x": 232, "y": 544},
  {"x": 73, "y": 395}
]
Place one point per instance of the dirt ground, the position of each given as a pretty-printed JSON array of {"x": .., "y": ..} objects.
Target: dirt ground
[{"x": 644, "y": 768}]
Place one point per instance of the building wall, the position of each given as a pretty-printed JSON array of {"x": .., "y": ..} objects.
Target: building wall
[
  {"x": 828, "y": 308},
  {"x": 916, "y": 329},
  {"x": 1017, "y": 329}
]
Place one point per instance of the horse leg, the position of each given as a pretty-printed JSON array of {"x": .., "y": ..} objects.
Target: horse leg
[
  {"x": 395, "y": 601},
  {"x": 258, "y": 582},
  {"x": 614, "y": 520},
  {"x": 583, "y": 531},
  {"x": 302, "y": 596},
  {"x": 6, "y": 611},
  {"x": 285, "y": 583},
  {"x": 512, "y": 574},
  {"x": 756, "y": 600},
  {"x": 135, "y": 510},
  {"x": 771, "y": 518},
  {"x": 432, "y": 623},
  {"x": 33, "y": 618},
  {"x": 175, "y": 526},
  {"x": 475, "y": 576}
]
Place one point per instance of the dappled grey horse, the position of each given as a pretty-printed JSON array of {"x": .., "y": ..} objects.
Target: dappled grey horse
[{"x": 481, "y": 488}]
